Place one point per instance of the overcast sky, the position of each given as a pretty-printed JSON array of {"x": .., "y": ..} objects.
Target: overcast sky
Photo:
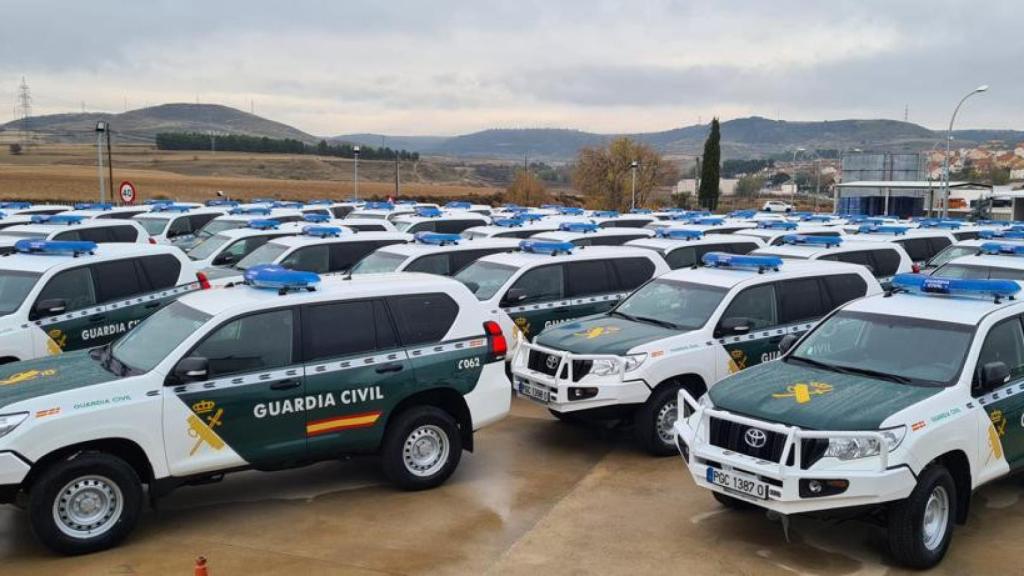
[{"x": 449, "y": 67}]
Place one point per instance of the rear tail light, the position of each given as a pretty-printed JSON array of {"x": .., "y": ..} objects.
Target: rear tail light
[
  {"x": 497, "y": 347},
  {"x": 916, "y": 268},
  {"x": 204, "y": 282}
]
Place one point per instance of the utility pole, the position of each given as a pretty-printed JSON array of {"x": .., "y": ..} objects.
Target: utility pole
[
  {"x": 526, "y": 176},
  {"x": 355, "y": 177},
  {"x": 110, "y": 167},
  {"x": 397, "y": 175},
  {"x": 632, "y": 167},
  {"x": 101, "y": 128}
]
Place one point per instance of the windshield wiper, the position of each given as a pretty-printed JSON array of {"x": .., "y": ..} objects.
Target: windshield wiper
[
  {"x": 623, "y": 315},
  {"x": 657, "y": 322},
  {"x": 852, "y": 370}
]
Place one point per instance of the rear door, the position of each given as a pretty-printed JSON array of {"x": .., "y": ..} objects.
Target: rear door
[{"x": 592, "y": 287}]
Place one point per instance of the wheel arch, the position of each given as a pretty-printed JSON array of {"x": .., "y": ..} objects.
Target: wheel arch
[
  {"x": 123, "y": 448},
  {"x": 959, "y": 467},
  {"x": 694, "y": 383},
  {"x": 446, "y": 399},
  {"x": 8, "y": 359}
]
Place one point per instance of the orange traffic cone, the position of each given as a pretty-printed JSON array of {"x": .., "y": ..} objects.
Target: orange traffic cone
[{"x": 200, "y": 569}]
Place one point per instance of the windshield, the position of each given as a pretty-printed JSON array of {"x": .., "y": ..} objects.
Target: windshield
[
  {"x": 153, "y": 226},
  {"x": 208, "y": 247},
  {"x": 909, "y": 350},
  {"x": 402, "y": 226},
  {"x": 147, "y": 344},
  {"x": 484, "y": 279},
  {"x": 681, "y": 305},
  {"x": 265, "y": 254},
  {"x": 378, "y": 263},
  {"x": 14, "y": 287},
  {"x": 216, "y": 226},
  {"x": 979, "y": 272},
  {"x": 949, "y": 253}
]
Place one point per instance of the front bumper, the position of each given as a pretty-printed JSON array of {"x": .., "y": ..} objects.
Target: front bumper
[
  {"x": 561, "y": 393},
  {"x": 13, "y": 469},
  {"x": 870, "y": 481}
]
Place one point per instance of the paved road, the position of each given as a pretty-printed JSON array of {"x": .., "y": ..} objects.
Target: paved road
[{"x": 538, "y": 497}]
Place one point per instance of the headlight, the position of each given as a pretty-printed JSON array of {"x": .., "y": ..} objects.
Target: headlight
[
  {"x": 853, "y": 448},
  {"x": 9, "y": 422},
  {"x": 604, "y": 367},
  {"x": 633, "y": 361}
]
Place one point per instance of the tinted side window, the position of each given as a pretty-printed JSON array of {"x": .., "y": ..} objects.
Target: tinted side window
[
  {"x": 516, "y": 234},
  {"x": 251, "y": 343},
  {"x": 322, "y": 338},
  {"x": 199, "y": 220},
  {"x": 632, "y": 272},
  {"x": 162, "y": 271},
  {"x": 741, "y": 247},
  {"x": 969, "y": 235},
  {"x": 341, "y": 211},
  {"x": 98, "y": 235},
  {"x": 308, "y": 259},
  {"x": 917, "y": 248},
  {"x": 116, "y": 280},
  {"x": 118, "y": 215},
  {"x": 428, "y": 226},
  {"x": 179, "y": 227},
  {"x": 344, "y": 255},
  {"x": 367, "y": 227},
  {"x": 799, "y": 300},
  {"x": 681, "y": 257},
  {"x": 540, "y": 284},
  {"x": 456, "y": 226},
  {"x": 433, "y": 264},
  {"x": 936, "y": 245},
  {"x": 842, "y": 288},
  {"x": 70, "y": 235},
  {"x": 755, "y": 307},
  {"x": 283, "y": 219},
  {"x": 887, "y": 262},
  {"x": 423, "y": 318},
  {"x": 1004, "y": 343},
  {"x": 74, "y": 286},
  {"x": 588, "y": 277},
  {"x": 124, "y": 233}
]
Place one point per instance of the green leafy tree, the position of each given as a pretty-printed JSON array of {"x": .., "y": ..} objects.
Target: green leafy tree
[
  {"x": 749, "y": 186},
  {"x": 708, "y": 193}
]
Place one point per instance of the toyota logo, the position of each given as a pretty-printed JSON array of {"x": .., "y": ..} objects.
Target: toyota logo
[
  {"x": 551, "y": 362},
  {"x": 755, "y": 438}
]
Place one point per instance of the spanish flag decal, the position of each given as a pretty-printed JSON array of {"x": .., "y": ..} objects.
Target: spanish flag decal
[{"x": 339, "y": 423}]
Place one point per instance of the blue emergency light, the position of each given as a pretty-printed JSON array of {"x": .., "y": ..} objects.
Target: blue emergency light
[
  {"x": 170, "y": 208},
  {"x": 808, "y": 240},
  {"x": 508, "y": 222},
  {"x": 94, "y": 206},
  {"x": 314, "y": 217},
  {"x": 679, "y": 234},
  {"x": 406, "y": 203},
  {"x": 437, "y": 239},
  {"x": 876, "y": 229},
  {"x": 742, "y": 214},
  {"x": 571, "y": 211},
  {"x": 543, "y": 247},
  {"x": 263, "y": 224},
  {"x": 1002, "y": 234},
  {"x": 320, "y": 202},
  {"x": 710, "y": 221},
  {"x": 73, "y": 247},
  {"x": 322, "y": 231},
  {"x": 458, "y": 205},
  {"x": 955, "y": 286},
  {"x": 263, "y": 200},
  {"x": 154, "y": 202},
  {"x": 250, "y": 211},
  {"x": 15, "y": 205},
  {"x": 68, "y": 219},
  {"x": 641, "y": 211},
  {"x": 581, "y": 227},
  {"x": 287, "y": 204},
  {"x": 517, "y": 209},
  {"x": 428, "y": 212},
  {"x": 947, "y": 224},
  {"x": 606, "y": 214},
  {"x": 726, "y": 260},
  {"x": 551, "y": 206},
  {"x": 777, "y": 225},
  {"x": 529, "y": 216},
  {"x": 222, "y": 203},
  {"x": 816, "y": 218},
  {"x": 280, "y": 278},
  {"x": 379, "y": 206},
  {"x": 993, "y": 248}
]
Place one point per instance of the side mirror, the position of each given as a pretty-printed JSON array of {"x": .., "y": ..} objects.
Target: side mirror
[
  {"x": 515, "y": 295},
  {"x": 993, "y": 375},
  {"x": 734, "y": 326},
  {"x": 787, "y": 342},
  {"x": 224, "y": 259},
  {"x": 51, "y": 307},
  {"x": 473, "y": 287},
  {"x": 192, "y": 369}
]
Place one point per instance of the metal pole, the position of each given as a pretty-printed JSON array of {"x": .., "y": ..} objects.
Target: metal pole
[
  {"x": 949, "y": 137},
  {"x": 397, "y": 176},
  {"x": 633, "y": 165},
  {"x": 110, "y": 167},
  {"x": 99, "y": 163},
  {"x": 355, "y": 177}
]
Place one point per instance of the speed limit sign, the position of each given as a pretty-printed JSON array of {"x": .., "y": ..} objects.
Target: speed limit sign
[{"x": 127, "y": 190}]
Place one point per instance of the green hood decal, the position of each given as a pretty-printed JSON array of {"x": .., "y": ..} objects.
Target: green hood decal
[
  {"x": 25, "y": 380},
  {"x": 602, "y": 335},
  {"x": 790, "y": 393}
]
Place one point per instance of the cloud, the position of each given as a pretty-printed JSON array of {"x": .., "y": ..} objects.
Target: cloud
[{"x": 452, "y": 66}]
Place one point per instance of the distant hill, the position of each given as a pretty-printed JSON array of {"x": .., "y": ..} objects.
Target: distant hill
[
  {"x": 142, "y": 125},
  {"x": 393, "y": 142}
]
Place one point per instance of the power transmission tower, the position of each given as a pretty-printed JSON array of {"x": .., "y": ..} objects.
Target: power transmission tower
[{"x": 24, "y": 106}]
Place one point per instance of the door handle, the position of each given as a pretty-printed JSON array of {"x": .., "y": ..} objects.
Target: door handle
[
  {"x": 389, "y": 368},
  {"x": 99, "y": 318},
  {"x": 285, "y": 385}
]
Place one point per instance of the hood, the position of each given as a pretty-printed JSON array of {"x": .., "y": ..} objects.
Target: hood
[
  {"x": 21, "y": 381},
  {"x": 602, "y": 335},
  {"x": 813, "y": 398}
]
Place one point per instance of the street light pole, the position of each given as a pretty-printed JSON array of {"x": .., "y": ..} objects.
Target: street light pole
[
  {"x": 633, "y": 166},
  {"x": 949, "y": 136},
  {"x": 355, "y": 168},
  {"x": 101, "y": 129},
  {"x": 792, "y": 199}
]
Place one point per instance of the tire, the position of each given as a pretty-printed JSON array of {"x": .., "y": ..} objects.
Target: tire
[
  {"x": 107, "y": 491},
  {"x": 651, "y": 419},
  {"x": 408, "y": 441},
  {"x": 733, "y": 503},
  {"x": 909, "y": 542}
]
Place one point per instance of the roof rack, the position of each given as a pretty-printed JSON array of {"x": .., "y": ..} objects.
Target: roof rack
[
  {"x": 726, "y": 260},
  {"x": 542, "y": 247},
  {"x": 917, "y": 283},
  {"x": 679, "y": 234},
  {"x": 437, "y": 239},
  {"x": 809, "y": 240},
  {"x": 581, "y": 227},
  {"x": 51, "y": 247},
  {"x": 428, "y": 212},
  {"x": 280, "y": 278}
]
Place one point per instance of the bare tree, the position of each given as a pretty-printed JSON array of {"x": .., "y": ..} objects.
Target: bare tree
[{"x": 604, "y": 174}]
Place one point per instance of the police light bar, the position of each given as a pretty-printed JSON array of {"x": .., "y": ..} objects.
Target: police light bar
[
  {"x": 406, "y": 203},
  {"x": 679, "y": 234},
  {"x": 280, "y": 278},
  {"x": 876, "y": 229},
  {"x": 29, "y": 246},
  {"x": 826, "y": 241},
  {"x": 320, "y": 202},
  {"x": 287, "y": 204},
  {"x": 458, "y": 205},
  {"x": 955, "y": 286},
  {"x": 581, "y": 227},
  {"x": 571, "y": 211},
  {"x": 428, "y": 212},
  {"x": 992, "y": 248},
  {"x": 742, "y": 214},
  {"x": 542, "y": 247},
  {"x": 518, "y": 209},
  {"x": 510, "y": 206},
  {"x": 264, "y": 224},
  {"x": 710, "y": 221},
  {"x": 551, "y": 206},
  {"x": 1003, "y": 234},
  {"x": 437, "y": 239},
  {"x": 641, "y": 211},
  {"x": 816, "y": 218},
  {"x": 250, "y": 211},
  {"x": 726, "y": 260},
  {"x": 93, "y": 206},
  {"x": 263, "y": 200},
  {"x": 948, "y": 224},
  {"x": 606, "y": 214},
  {"x": 776, "y": 225},
  {"x": 529, "y": 216},
  {"x": 157, "y": 201},
  {"x": 508, "y": 222},
  {"x": 316, "y": 218},
  {"x": 379, "y": 206},
  {"x": 322, "y": 231},
  {"x": 15, "y": 205},
  {"x": 68, "y": 219},
  {"x": 228, "y": 203},
  {"x": 170, "y": 208}
]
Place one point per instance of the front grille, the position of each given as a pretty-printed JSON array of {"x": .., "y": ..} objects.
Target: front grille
[
  {"x": 730, "y": 435},
  {"x": 538, "y": 362}
]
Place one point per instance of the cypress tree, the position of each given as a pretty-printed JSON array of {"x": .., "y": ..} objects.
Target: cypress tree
[{"x": 709, "y": 173}]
